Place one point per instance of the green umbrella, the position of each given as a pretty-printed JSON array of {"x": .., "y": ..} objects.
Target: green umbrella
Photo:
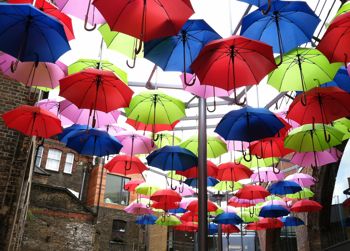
[
  {"x": 306, "y": 193},
  {"x": 248, "y": 217},
  {"x": 345, "y": 8},
  {"x": 302, "y": 69},
  {"x": 343, "y": 125},
  {"x": 313, "y": 138},
  {"x": 82, "y": 64},
  {"x": 173, "y": 175},
  {"x": 167, "y": 139},
  {"x": 272, "y": 197},
  {"x": 215, "y": 146},
  {"x": 155, "y": 107},
  {"x": 146, "y": 189},
  {"x": 225, "y": 186},
  {"x": 168, "y": 220},
  {"x": 258, "y": 162}
]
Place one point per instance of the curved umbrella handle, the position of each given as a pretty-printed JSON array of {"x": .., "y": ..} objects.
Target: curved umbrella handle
[
  {"x": 248, "y": 159},
  {"x": 86, "y": 24},
  {"x": 303, "y": 99},
  {"x": 173, "y": 187},
  {"x": 275, "y": 168},
  {"x": 181, "y": 189},
  {"x": 315, "y": 170},
  {"x": 237, "y": 101},
  {"x": 127, "y": 168},
  {"x": 155, "y": 137},
  {"x": 237, "y": 163},
  {"x": 258, "y": 157},
  {"x": 138, "y": 47},
  {"x": 214, "y": 107},
  {"x": 192, "y": 81},
  {"x": 281, "y": 60},
  {"x": 265, "y": 12},
  {"x": 327, "y": 137},
  {"x": 346, "y": 60},
  {"x": 131, "y": 66},
  {"x": 14, "y": 65}
]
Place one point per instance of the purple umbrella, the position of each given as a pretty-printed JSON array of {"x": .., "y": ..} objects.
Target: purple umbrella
[
  {"x": 112, "y": 129},
  {"x": 33, "y": 73},
  {"x": 84, "y": 116},
  {"x": 134, "y": 143},
  {"x": 138, "y": 208},
  {"x": 266, "y": 174},
  {"x": 302, "y": 179},
  {"x": 51, "y": 105},
  {"x": 307, "y": 159},
  {"x": 184, "y": 190}
]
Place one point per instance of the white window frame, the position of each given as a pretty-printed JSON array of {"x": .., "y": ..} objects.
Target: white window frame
[
  {"x": 39, "y": 156},
  {"x": 68, "y": 166},
  {"x": 58, "y": 158}
]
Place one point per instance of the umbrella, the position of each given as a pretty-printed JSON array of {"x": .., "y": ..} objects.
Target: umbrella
[
  {"x": 28, "y": 34},
  {"x": 306, "y": 206},
  {"x": 93, "y": 142},
  {"x": 313, "y": 137},
  {"x": 228, "y": 218},
  {"x": 83, "y": 64},
  {"x": 212, "y": 171},
  {"x": 167, "y": 139},
  {"x": 238, "y": 202},
  {"x": 134, "y": 143},
  {"x": 69, "y": 131},
  {"x": 343, "y": 125},
  {"x": 148, "y": 219},
  {"x": 251, "y": 192},
  {"x": 168, "y": 220},
  {"x": 292, "y": 221},
  {"x": 269, "y": 147},
  {"x": 257, "y": 162},
  {"x": 179, "y": 211},
  {"x": 83, "y": 116},
  {"x": 193, "y": 182},
  {"x": 273, "y": 211},
  {"x": 125, "y": 165},
  {"x": 165, "y": 205},
  {"x": 152, "y": 128},
  {"x": 215, "y": 146},
  {"x": 213, "y": 228},
  {"x": 226, "y": 186},
  {"x": 341, "y": 80},
  {"x": 284, "y": 187},
  {"x": 132, "y": 184},
  {"x": 229, "y": 228},
  {"x": 166, "y": 195},
  {"x": 233, "y": 172},
  {"x": 266, "y": 174},
  {"x": 176, "y": 53},
  {"x": 233, "y": 62},
  {"x": 247, "y": 217},
  {"x": 32, "y": 121},
  {"x": 146, "y": 189},
  {"x": 277, "y": 202},
  {"x": 310, "y": 159},
  {"x": 193, "y": 206},
  {"x": 258, "y": 3},
  {"x": 285, "y": 27},
  {"x": 270, "y": 223},
  {"x": 137, "y": 208},
  {"x": 299, "y": 69},
  {"x": 102, "y": 91},
  {"x": 187, "y": 227},
  {"x": 303, "y": 194},
  {"x": 304, "y": 180},
  {"x": 41, "y": 74},
  {"x": 51, "y": 105},
  {"x": 185, "y": 190},
  {"x": 86, "y": 11},
  {"x": 112, "y": 129},
  {"x": 189, "y": 216}
]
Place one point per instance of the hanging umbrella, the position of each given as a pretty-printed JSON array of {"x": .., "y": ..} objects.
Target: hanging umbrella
[
  {"x": 177, "y": 211},
  {"x": 284, "y": 187},
  {"x": 72, "y": 130},
  {"x": 151, "y": 127},
  {"x": 193, "y": 182},
  {"x": 28, "y": 34},
  {"x": 187, "y": 227},
  {"x": 292, "y": 221},
  {"x": 226, "y": 186},
  {"x": 313, "y": 137},
  {"x": 251, "y": 192},
  {"x": 239, "y": 202},
  {"x": 212, "y": 171},
  {"x": 112, "y": 129},
  {"x": 258, "y": 3},
  {"x": 306, "y": 206},
  {"x": 269, "y": 147},
  {"x": 168, "y": 220},
  {"x": 167, "y": 139},
  {"x": 146, "y": 189},
  {"x": 51, "y": 105},
  {"x": 341, "y": 80},
  {"x": 32, "y": 121},
  {"x": 86, "y": 11},
  {"x": 165, "y": 205},
  {"x": 148, "y": 219},
  {"x": 228, "y": 218},
  {"x": 286, "y": 26},
  {"x": 41, "y": 74},
  {"x": 185, "y": 190},
  {"x": 94, "y": 142},
  {"x": 212, "y": 228},
  {"x": 254, "y": 227},
  {"x": 313, "y": 159},
  {"x": 176, "y": 53},
  {"x": 277, "y": 202},
  {"x": 247, "y": 217},
  {"x": 233, "y": 172},
  {"x": 258, "y": 162},
  {"x": 125, "y": 165},
  {"x": 270, "y": 223},
  {"x": 134, "y": 143},
  {"x": 137, "y": 208},
  {"x": 233, "y": 62},
  {"x": 167, "y": 195},
  {"x": 303, "y": 194},
  {"x": 83, "y": 116},
  {"x": 83, "y": 64},
  {"x": 267, "y": 174},
  {"x": 189, "y": 217},
  {"x": 132, "y": 184},
  {"x": 273, "y": 211},
  {"x": 215, "y": 146},
  {"x": 303, "y": 179},
  {"x": 193, "y": 206},
  {"x": 343, "y": 125}
]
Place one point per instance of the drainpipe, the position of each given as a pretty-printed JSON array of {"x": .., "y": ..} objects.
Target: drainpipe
[{"x": 82, "y": 183}]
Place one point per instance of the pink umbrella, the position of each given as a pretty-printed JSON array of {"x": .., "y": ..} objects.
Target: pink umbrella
[
  {"x": 112, "y": 129},
  {"x": 266, "y": 174},
  {"x": 236, "y": 145},
  {"x": 51, "y": 105},
  {"x": 185, "y": 202},
  {"x": 184, "y": 190},
  {"x": 302, "y": 179},
  {"x": 32, "y": 73},
  {"x": 84, "y": 116},
  {"x": 292, "y": 123},
  {"x": 307, "y": 159},
  {"x": 237, "y": 202},
  {"x": 138, "y": 208},
  {"x": 134, "y": 143},
  {"x": 230, "y": 209},
  {"x": 276, "y": 202}
]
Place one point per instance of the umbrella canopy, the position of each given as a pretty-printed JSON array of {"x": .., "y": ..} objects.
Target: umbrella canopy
[
  {"x": 189, "y": 216},
  {"x": 313, "y": 137},
  {"x": 125, "y": 165},
  {"x": 29, "y": 34},
  {"x": 168, "y": 221},
  {"x": 248, "y": 217},
  {"x": 240, "y": 202},
  {"x": 151, "y": 127},
  {"x": 215, "y": 146},
  {"x": 226, "y": 186},
  {"x": 193, "y": 182},
  {"x": 146, "y": 20},
  {"x": 167, "y": 139},
  {"x": 267, "y": 174},
  {"x": 284, "y": 187},
  {"x": 103, "y": 90},
  {"x": 306, "y": 206},
  {"x": 166, "y": 195},
  {"x": 340, "y": 80},
  {"x": 251, "y": 192},
  {"x": 248, "y": 124},
  {"x": 94, "y": 142},
  {"x": 32, "y": 121},
  {"x": 112, "y": 129},
  {"x": 231, "y": 171},
  {"x": 146, "y": 189},
  {"x": 51, "y": 105},
  {"x": 233, "y": 62},
  {"x": 304, "y": 180},
  {"x": 270, "y": 223},
  {"x": 273, "y": 211},
  {"x": 187, "y": 227},
  {"x": 292, "y": 221},
  {"x": 269, "y": 147},
  {"x": 286, "y": 26},
  {"x": 184, "y": 190},
  {"x": 193, "y": 206},
  {"x": 303, "y": 194},
  {"x": 258, "y": 3},
  {"x": 69, "y": 131},
  {"x": 213, "y": 228},
  {"x": 343, "y": 125},
  {"x": 256, "y": 162},
  {"x": 212, "y": 171},
  {"x": 137, "y": 208},
  {"x": 310, "y": 159},
  {"x": 299, "y": 69},
  {"x": 134, "y": 143},
  {"x": 132, "y": 184},
  {"x": 148, "y": 219},
  {"x": 228, "y": 218},
  {"x": 165, "y": 205}
]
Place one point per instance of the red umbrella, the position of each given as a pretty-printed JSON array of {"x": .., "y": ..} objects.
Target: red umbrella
[
  {"x": 96, "y": 89},
  {"x": 335, "y": 42},
  {"x": 194, "y": 206},
  {"x": 269, "y": 147},
  {"x": 166, "y": 195},
  {"x": 236, "y": 202},
  {"x": 150, "y": 127},
  {"x": 229, "y": 229},
  {"x": 254, "y": 227},
  {"x": 192, "y": 173},
  {"x": 132, "y": 184},
  {"x": 165, "y": 205},
  {"x": 187, "y": 226},
  {"x": 321, "y": 105},
  {"x": 125, "y": 165},
  {"x": 33, "y": 121},
  {"x": 53, "y": 11},
  {"x": 346, "y": 203},
  {"x": 231, "y": 171},
  {"x": 189, "y": 216},
  {"x": 306, "y": 206},
  {"x": 284, "y": 131},
  {"x": 234, "y": 62},
  {"x": 251, "y": 192},
  {"x": 270, "y": 223}
]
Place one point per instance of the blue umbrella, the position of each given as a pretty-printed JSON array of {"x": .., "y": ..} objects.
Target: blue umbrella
[
  {"x": 292, "y": 221},
  {"x": 341, "y": 80},
  {"x": 177, "y": 211},
  {"x": 176, "y": 53},
  {"x": 273, "y": 211},
  {"x": 285, "y": 187},
  {"x": 228, "y": 218},
  {"x": 213, "y": 228},
  {"x": 69, "y": 131},
  {"x": 194, "y": 182},
  {"x": 147, "y": 219},
  {"x": 94, "y": 142},
  {"x": 258, "y": 3},
  {"x": 28, "y": 34},
  {"x": 285, "y": 27}
]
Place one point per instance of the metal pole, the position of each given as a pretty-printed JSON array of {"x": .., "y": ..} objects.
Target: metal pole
[{"x": 202, "y": 176}]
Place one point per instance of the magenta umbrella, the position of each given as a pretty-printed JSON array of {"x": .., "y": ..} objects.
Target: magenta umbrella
[
  {"x": 233, "y": 145},
  {"x": 303, "y": 179},
  {"x": 266, "y": 174},
  {"x": 185, "y": 202},
  {"x": 84, "y": 116},
  {"x": 51, "y": 105},
  {"x": 307, "y": 159},
  {"x": 184, "y": 190},
  {"x": 138, "y": 208},
  {"x": 33, "y": 73},
  {"x": 112, "y": 129},
  {"x": 134, "y": 143}
]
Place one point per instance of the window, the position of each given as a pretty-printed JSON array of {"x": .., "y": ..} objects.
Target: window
[
  {"x": 53, "y": 160},
  {"x": 115, "y": 192},
  {"x": 68, "y": 166},
  {"x": 118, "y": 230},
  {"x": 39, "y": 156}
]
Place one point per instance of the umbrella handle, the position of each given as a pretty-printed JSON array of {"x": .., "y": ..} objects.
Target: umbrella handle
[
  {"x": 346, "y": 60},
  {"x": 214, "y": 107},
  {"x": 192, "y": 82},
  {"x": 275, "y": 168},
  {"x": 86, "y": 23},
  {"x": 127, "y": 168},
  {"x": 237, "y": 101},
  {"x": 258, "y": 157},
  {"x": 14, "y": 65},
  {"x": 327, "y": 137},
  {"x": 131, "y": 66},
  {"x": 248, "y": 159},
  {"x": 181, "y": 189},
  {"x": 265, "y": 12},
  {"x": 173, "y": 187},
  {"x": 237, "y": 163},
  {"x": 315, "y": 169},
  {"x": 303, "y": 99},
  {"x": 155, "y": 137}
]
